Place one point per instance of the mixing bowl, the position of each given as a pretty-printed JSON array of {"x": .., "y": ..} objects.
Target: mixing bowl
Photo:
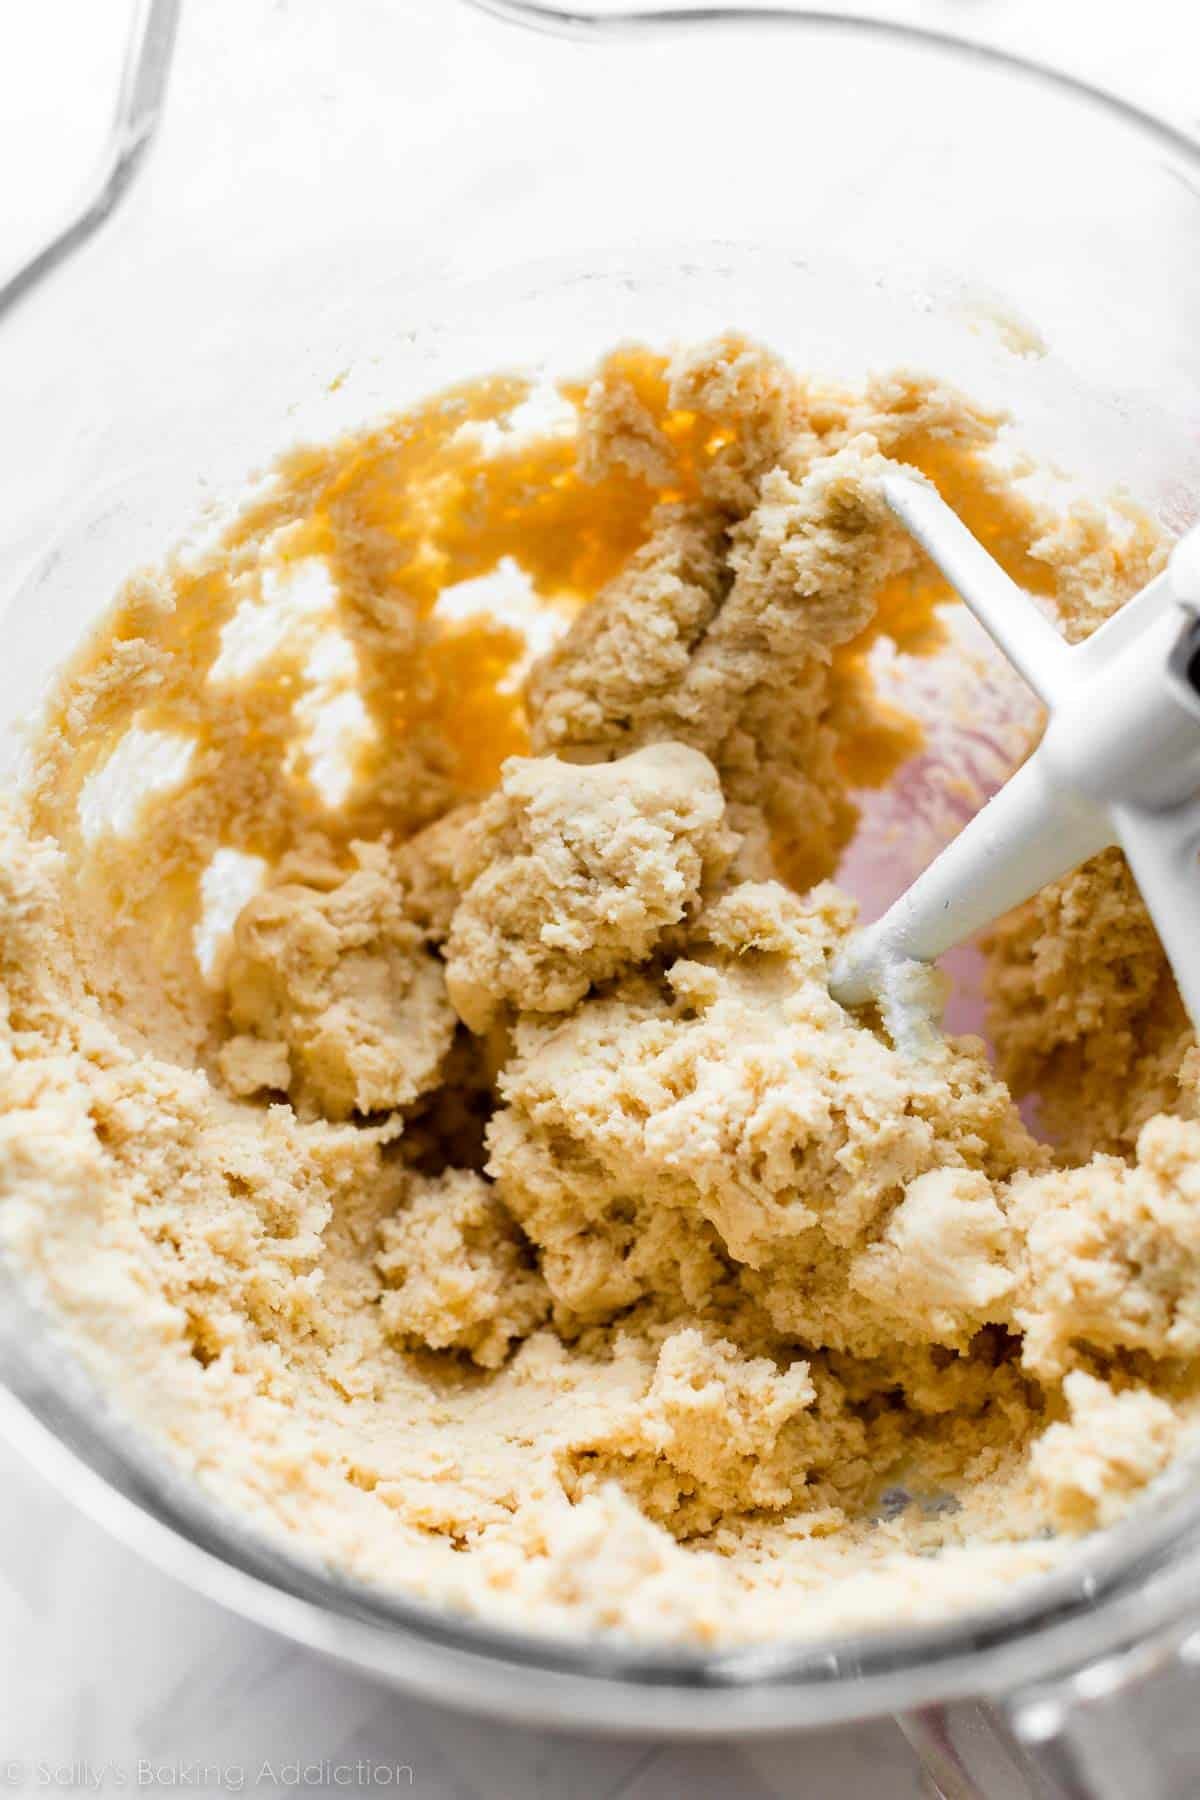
[{"x": 346, "y": 208}]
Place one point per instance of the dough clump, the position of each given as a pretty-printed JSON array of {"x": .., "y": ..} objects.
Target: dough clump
[
  {"x": 421, "y": 1099},
  {"x": 569, "y": 874},
  {"x": 461, "y": 1274},
  {"x": 333, "y": 995}
]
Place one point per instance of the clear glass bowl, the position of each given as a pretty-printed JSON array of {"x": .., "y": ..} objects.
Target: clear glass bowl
[{"x": 348, "y": 207}]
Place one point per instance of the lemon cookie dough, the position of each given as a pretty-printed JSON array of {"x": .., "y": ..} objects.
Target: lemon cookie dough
[{"x": 422, "y": 1101}]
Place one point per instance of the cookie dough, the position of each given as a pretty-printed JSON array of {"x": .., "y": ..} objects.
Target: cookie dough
[
  {"x": 422, "y": 1101},
  {"x": 334, "y": 996},
  {"x": 571, "y": 874}
]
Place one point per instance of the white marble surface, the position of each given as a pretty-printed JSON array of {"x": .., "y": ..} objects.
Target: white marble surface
[
  {"x": 111, "y": 1676},
  {"x": 106, "y": 1665}
]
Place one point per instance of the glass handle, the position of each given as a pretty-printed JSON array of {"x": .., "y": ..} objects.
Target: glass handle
[
  {"x": 135, "y": 120},
  {"x": 1126, "y": 1726},
  {"x": 970, "y": 1750}
]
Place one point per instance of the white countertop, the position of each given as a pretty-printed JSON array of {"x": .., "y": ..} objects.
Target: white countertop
[
  {"x": 105, "y": 1665},
  {"x": 111, "y": 1676}
]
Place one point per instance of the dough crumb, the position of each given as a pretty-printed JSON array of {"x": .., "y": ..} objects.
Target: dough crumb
[
  {"x": 1113, "y": 1253},
  {"x": 714, "y": 1434},
  {"x": 461, "y": 1275},
  {"x": 1111, "y": 1446},
  {"x": 603, "y": 1562}
]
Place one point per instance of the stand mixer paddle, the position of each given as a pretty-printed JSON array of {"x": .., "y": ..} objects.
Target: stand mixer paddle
[{"x": 1119, "y": 763}]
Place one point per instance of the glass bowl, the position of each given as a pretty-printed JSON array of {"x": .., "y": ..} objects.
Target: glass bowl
[{"x": 345, "y": 209}]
